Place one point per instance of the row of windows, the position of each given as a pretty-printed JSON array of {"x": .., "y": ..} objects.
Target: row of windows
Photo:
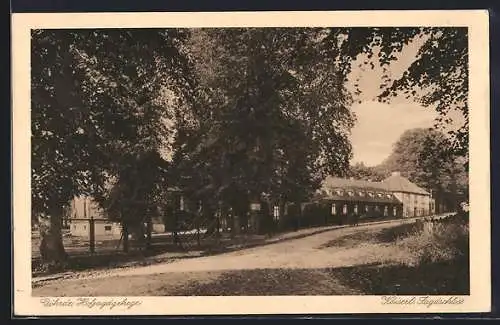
[
  {"x": 367, "y": 209},
  {"x": 363, "y": 194}
]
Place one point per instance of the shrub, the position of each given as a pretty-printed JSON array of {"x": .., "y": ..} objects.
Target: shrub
[{"x": 435, "y": 241}]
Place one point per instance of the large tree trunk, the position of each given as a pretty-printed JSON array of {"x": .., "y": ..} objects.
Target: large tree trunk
[
  {"x": 51, "y": 246},
  {"x": 137, "y": 231}
]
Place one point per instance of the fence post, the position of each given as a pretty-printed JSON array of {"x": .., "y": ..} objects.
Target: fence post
[
  {"x": 198, "y": 216},
  {"x": 198, "y": 239},
  {"x": 149, "y": 231},
  {"x": 125, "y": 237},
  {"x": 92, "y": 234}
]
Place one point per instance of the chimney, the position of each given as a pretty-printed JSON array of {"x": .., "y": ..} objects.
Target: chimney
[{"x": 396, "y": 173}]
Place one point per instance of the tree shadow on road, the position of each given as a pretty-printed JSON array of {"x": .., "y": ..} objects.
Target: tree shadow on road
[
  {"x": 442, "y": 278},
  {"x": 446, "y": 278}
]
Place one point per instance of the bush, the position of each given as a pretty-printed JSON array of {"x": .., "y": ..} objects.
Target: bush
[{"x": 435, "y": 241}]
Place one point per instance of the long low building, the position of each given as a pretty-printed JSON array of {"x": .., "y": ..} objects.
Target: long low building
[{"x": 395, "y": 196}]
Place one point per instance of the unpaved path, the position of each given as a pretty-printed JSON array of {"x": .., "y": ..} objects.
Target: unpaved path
[
  {"x": 294, "y": 261},
  {"x": 304, "y": 253}
]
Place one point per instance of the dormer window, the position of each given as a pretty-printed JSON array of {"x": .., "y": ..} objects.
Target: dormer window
[
  {"x": 339, "y": 192},
  {"x": 388, "y": 196},
  {"x": 379, "y": 194},
  {"x": 362, "y": 194},
  {"x": 350, "y": 193},
  {"x": 370, "y": 194}
]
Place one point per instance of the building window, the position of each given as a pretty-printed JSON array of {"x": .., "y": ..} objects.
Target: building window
[
  {"x": 367, "y": 207},
  {"x": 350, "y": 193},
  {"x": 394, "y": 211},
  {"x": 344, "y": 210},
  {"x": 84, "y": 227},
  {"x": 339, "y": 192},
  {"x": 370, "y": 194},
  {"x": 362, "y": 194},
  {"x": 334, "y": 209},
  {"x": 379, "y": 194},
  {"x": 386, "y": 211},
  {"x": 355, "y": 209},
  {"x": 389, "y": 196},
  {"x": 107, "y": 228},
  {"x": 276, "y": 212}
]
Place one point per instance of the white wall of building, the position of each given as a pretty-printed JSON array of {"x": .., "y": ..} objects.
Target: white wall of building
[
  {"x": 415, "y": 204},
  {"x": 81, "y": 228}
]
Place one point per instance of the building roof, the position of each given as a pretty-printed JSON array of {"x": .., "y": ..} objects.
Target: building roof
[
  {"x": 394, "y": 183},
  {"x": 346, "y": 183},
  {"x": 341, "y": 189},
  {"x": 398, "y": 183}
]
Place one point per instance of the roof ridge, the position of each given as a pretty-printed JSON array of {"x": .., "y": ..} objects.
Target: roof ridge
[
  {"x": 403, "y": 184},
  {"x": 393, "y": 183}
]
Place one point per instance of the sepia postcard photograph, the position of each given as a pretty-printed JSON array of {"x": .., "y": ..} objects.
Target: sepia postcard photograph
[{"x": 251, "y": 163}]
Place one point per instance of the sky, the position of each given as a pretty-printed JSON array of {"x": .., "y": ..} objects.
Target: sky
[{"x": 379, "y": 125}]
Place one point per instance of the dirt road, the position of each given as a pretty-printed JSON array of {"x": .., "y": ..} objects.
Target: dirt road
[
  {"x": 307, "y": 253},
  {"x": 330, "y": 263}
]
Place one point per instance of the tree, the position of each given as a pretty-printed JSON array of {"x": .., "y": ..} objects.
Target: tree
[
  {"x": 437, "y": 78},
  {"x": 97, "y": 100},
  {"x": 425, "y": 157},
  {"x": 138, "y": 194},
  {"x": 363, "y": 172},
  {"x": 273, "y": 117},
  {"x": 257, "y": 81}
]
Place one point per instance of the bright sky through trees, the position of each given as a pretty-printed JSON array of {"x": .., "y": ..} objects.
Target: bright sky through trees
[{"x": 380, "y": 125}]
